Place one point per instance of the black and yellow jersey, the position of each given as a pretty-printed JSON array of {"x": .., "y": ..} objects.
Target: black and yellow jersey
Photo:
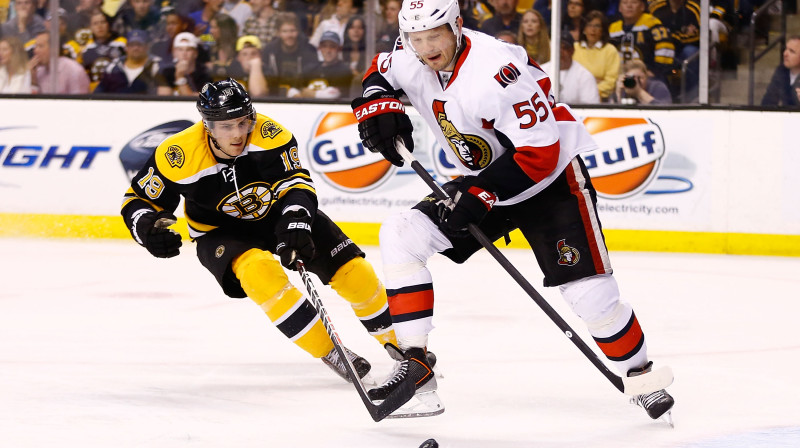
[
  {"x": 647, "y": 39},
  {"x": 222, "y": 192}
]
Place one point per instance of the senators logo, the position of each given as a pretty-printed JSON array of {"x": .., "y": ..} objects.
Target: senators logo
[
  {"x": 250, "y": 203},
  {"x": 270, "y": 129},
  {"x": 175, "y": 156},
  {"x": 507, "y": 75},
  {"x": 473, "y": 151},
  {"x": 567, "y": 255}
]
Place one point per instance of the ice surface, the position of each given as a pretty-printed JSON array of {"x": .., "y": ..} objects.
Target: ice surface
[{"x": 102, "y": 345}]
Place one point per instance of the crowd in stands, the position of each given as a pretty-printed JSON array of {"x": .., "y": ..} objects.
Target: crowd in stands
[{"x": 611, "y": 51}]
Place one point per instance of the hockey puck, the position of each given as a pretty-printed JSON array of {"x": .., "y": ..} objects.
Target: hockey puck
[{"x": 430, "y": 443}]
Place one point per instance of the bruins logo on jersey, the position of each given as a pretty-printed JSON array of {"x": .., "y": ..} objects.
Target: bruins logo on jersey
[
  {"x": 175, "y": 156},
  {"x": 249, "y": 203},
  {"x": 270, "y": 129},
  {"x": 473, "y": 151},
  {"x": 567, "y": 255}
]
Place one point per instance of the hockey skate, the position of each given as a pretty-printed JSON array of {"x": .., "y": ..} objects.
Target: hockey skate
[
  {"x": 415, "y": 365},
  {"x": 361, "y": 365},
  {"x": 658, "y": 404}
]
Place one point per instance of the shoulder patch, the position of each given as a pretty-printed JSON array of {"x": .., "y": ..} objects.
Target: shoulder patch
[
  {"x": 507, "y": 75},
  {"x": 175, "y": 156},
  {"x": 270, "y": 129}
]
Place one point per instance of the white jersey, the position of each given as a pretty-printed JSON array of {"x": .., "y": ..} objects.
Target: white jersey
[{"x": 496, "y": 112}]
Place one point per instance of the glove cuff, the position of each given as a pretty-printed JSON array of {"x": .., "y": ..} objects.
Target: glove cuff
[{"x": 382, "y": 105}]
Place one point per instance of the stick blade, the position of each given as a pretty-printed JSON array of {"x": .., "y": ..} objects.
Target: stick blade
[
  {"x": 649, "y": 382},
  {"x": 393, "y": 402}
]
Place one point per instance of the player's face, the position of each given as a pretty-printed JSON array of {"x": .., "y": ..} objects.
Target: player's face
[
  {"x": 436, "y": 47},
  {"x": 231, "y": 135},
  {"x": 791, "y": 56}
]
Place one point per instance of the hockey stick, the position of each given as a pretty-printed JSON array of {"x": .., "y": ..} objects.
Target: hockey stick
[
  {"x": 641, "y": 384},
  {"x": 395, "y": 400}
]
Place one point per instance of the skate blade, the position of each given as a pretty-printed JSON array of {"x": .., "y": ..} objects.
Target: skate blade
[
  {"x": 667, "y": 417},
  {"x": 424, "y": 404}
]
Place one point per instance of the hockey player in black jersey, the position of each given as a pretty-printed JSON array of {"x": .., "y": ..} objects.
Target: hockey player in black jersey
[
  {"x": 247, "y": 200},
  {"x": 519, "y": 153}
]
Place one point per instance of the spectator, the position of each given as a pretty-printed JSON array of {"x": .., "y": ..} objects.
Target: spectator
[
  {"x": 14, "y": 74},
  {"x": 137, "y": 15},
  {"x": 78, "y": 20},
  {"x": 25, "y": 25},
  {"x": 69, "y": 47},
  {"x": 174, "y": 23},
  {"x": 187, "y": 75},
  {"x": 202, "y": 18},
  {"x": 598, "y": 55},
  {"x": 288, "y": 56},
  {"x": 224, "y": 31},
  {"x": 573, "y": 20},
  {"x": 263, "y": 22},
  {"x": 576, "y": 84},
  {"x": 71, "y": 78},
  {"x": 354, "y": 46},
  {"x": 135, "y": 72},
  {"x": 637, "y": 86},
  {"x": 545, "y": 9},
  {"x": 248, "y": 68},
  {"x": 389, "y": 31},
  {"x": 505, "y": 17},
  {"x": 534, "y": 36},
  {"x": 507, "y": 36},
  {"x": 104, "y": 47},
  {"x": 332, "y": 78},
  {"x": 239, "y": 10},
  {"x": 784, "y": 87},
  {"x": 345, "y": 9},
  {"x": 639, "y": 35},
  {"x": 682, "y": 19}
]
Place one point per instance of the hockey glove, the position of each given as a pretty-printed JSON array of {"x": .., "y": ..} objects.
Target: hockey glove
[
  {"x": 471, "y": 202},
  {"x": 294, "y": 238},
  {"x": 151, "y": 230},
  {"x": 381, "y": 119}
]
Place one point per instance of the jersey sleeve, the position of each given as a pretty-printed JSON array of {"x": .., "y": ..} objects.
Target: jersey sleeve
[
  {"x": 379, "y": 76},
  {"x": 150, "y": 189},
  {"x": 525, "y": 124}
]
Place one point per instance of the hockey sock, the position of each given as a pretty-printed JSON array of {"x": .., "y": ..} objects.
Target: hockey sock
[
  {"x": 265, "y": 282},
  {"x": 357, "y": 283}
]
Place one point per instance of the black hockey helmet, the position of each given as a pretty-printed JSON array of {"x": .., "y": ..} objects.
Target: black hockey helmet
[{"x": 223, "y": 100}]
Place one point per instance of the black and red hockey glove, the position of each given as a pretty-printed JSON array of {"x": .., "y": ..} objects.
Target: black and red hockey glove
[
  {"x": 472, "y": 201},
  {"x": 381, "y": 119},
  {"x": 151, "y": 230},
  {"x": 293, "y": 231}
]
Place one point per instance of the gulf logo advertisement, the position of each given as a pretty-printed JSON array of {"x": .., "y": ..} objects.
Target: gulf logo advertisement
[{"x": 339, "y": 157}]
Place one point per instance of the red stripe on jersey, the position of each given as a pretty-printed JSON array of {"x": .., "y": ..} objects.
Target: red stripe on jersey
[
  {"x": 623, "y": 344},
  {"x": 538, "y": 162},
  {"x": 411, "y": 302},
  {"x": 544, "y": 84},
  {"x": 560, "y": 113},
  {"x": 461, "y": 58},
  {"x": 372, "y": 69},
  {"x": 576, "y": 188}
]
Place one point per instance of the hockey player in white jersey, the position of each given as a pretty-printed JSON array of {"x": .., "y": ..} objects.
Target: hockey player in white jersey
[{"x": 519, "y": 156}]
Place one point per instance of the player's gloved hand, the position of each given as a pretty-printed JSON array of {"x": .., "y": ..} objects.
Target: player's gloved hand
[
  {"x": 381, "y": 119},
  {"x": 294, "y": 238},
  {"x": 152, "y": 231},
  {"x": 470, "y": 203}
]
